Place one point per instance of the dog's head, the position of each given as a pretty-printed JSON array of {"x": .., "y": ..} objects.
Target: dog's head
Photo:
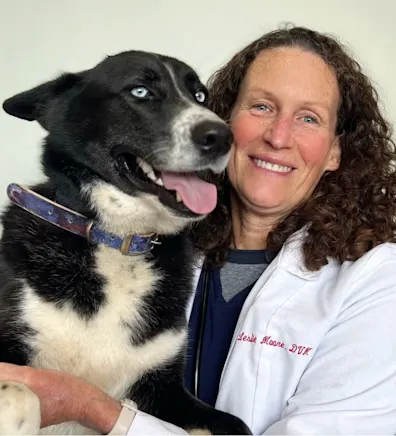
[{"x": 138, "y": 124}]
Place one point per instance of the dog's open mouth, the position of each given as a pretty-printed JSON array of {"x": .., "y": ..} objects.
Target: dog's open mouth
[{"x": 179, "y": 190}]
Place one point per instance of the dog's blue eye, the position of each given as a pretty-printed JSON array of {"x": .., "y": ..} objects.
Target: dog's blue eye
[
  {"x": 140, "y": 92},
  {"x": 200, "y": 96}
]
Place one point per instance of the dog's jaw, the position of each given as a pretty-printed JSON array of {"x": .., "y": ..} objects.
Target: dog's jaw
[{"x": 123, "y": 214}]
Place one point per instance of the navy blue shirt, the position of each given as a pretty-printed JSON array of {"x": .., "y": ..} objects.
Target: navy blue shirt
[{"x": 220, "y": 323}]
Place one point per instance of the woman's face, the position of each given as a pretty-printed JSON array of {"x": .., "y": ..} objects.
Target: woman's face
[{"x": 284, "y": 124}]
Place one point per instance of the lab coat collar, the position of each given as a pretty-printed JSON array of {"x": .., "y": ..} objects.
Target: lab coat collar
[{"x": 291, "y": 256}]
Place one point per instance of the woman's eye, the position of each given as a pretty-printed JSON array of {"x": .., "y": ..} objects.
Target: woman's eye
[
  {"x": 309, "y": 119},
  {"x": 261, "y": 107},
  {"x": 140, "y": 92}
]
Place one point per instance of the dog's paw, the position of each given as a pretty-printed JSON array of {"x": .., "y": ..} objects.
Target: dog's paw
[{"x": 19, "y": 410}]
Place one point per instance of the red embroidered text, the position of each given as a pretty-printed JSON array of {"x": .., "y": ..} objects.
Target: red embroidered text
[
  {"x": 247, "y": 338},
  {"x": 301, "y": 350},
  {"x": 268, "y": 341}
]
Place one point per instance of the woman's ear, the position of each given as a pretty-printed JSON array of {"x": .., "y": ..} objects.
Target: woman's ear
[{"x": 334, "y": 160}]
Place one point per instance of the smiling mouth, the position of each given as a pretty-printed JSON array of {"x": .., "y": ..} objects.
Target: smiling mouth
[
  {"x": 284, "y": 169},
  {"x": 182, "y": 191}
]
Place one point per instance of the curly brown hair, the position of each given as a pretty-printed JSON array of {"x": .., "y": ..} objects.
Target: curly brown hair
[{"x": 352, "y": 209}]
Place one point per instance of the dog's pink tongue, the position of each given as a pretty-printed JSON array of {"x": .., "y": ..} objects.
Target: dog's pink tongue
[{"x": 198, "y": 195}]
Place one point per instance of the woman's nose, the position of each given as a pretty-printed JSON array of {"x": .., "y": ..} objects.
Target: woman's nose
[{"x": 278, "y": 132}]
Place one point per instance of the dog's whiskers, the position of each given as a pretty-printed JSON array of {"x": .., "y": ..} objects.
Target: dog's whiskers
[{"x": 159, "y": 150}]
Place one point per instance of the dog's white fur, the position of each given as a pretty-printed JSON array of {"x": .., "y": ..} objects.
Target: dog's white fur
[
  {"x": 181, "y": 134},
  {"x": 64, "y": 337},
  {"x": 68, "y": 343},
  {"x": 122, "y": 214}
]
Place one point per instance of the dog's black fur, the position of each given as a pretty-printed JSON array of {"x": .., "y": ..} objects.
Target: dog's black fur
[{"x": 57, "y": 289}]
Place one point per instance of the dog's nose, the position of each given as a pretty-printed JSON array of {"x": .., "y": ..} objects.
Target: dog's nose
[{"x": 212, "y": 137}]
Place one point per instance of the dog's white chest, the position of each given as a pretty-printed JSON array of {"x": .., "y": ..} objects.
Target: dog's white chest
[{"x": 100, "y": 349}]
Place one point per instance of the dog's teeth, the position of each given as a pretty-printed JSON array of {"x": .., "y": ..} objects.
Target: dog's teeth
[
  {"x": 151, "y": 176},
  {"x": 147, "y": 168},
  {"x": 178, "y": 198}
]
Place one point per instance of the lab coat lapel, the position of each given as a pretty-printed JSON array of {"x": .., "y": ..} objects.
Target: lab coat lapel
[
  {"x": 285, "y": 276},
  {"x": 281, "y": 279}
]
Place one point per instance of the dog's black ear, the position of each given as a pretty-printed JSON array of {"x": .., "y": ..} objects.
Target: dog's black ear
[{"x": 32, "y": 105}]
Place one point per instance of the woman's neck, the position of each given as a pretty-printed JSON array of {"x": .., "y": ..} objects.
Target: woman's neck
[{"x": 249, "y": 230}]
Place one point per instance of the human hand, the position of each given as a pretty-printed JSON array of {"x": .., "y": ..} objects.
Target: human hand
[{"x": 65, "y": 398}]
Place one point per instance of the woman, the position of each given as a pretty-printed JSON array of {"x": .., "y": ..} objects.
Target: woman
[{"x": 300, "y": 272}]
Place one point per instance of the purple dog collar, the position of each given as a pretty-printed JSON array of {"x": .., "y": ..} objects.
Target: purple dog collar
[{"x": 76, "y": 223}]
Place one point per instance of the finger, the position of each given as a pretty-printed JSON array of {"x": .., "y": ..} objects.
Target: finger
[{"x": 11, "y": 372}]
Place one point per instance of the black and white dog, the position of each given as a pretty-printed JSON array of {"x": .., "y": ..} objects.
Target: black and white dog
[{"x": 95, "y": 269}]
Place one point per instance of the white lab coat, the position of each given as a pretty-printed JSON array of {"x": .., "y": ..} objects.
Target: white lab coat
[{"x": 312, "y": 352}]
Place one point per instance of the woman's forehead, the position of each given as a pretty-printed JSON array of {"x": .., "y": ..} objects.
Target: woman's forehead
[{"x": 295, "y": 72}]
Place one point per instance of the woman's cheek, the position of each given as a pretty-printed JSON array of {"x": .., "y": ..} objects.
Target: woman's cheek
[
  {"x": 314, "y": 149},
  {"x": 245, "y": 128}
]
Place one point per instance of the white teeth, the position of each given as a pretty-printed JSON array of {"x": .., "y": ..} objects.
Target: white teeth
[
  {"x": 148, "y": 170},
  {"x": 151, "y": 176},
  {"x": 273, "y": 167}
]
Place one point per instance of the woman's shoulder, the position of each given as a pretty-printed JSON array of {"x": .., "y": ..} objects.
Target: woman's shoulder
[
  {"x": 372, "y": 275},
  {"x": 371, "y": 278},
  {"x": 380, "y": 256}
]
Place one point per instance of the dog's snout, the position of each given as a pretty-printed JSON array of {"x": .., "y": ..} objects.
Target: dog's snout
[{"x": 212, "y": 137}]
